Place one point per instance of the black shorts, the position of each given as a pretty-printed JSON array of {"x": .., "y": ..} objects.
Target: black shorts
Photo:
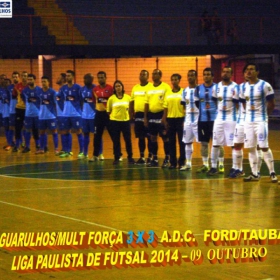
[
  {"x": 205, "y": 131},
  {"x": 140, "y": 130},
  {"x": 155, "y": 125}
]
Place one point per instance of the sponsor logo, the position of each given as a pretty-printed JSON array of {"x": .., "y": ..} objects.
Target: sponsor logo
[{"x": 6, "y": 10}]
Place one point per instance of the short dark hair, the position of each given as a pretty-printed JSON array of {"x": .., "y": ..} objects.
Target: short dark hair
[
  {"x": 102, "y": 73},
  {"x": 176, "y": 75},
  {"x": 252, "y": 64},
  {"x": 194, "y": 71},
  {"x": 45, "y": 78},
  {"x": 31, "y": 76},
  {"x": 227, "y": 66},
  {"x": 118, "y": 82},
  {"x": 71, "y": 72},
  {"x": 159, "y": 72},
  {"x": 15, "y": 73},
  {"x": 208, "y": 69}
]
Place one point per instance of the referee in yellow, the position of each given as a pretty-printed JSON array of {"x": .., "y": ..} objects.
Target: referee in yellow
[
  {"x": 118, "y": 110},
  {"x": 173, "y": 119}
]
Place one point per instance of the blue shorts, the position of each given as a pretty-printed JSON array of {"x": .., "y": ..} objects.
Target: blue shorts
[
  {"x": 31, "y": 122},
  {"x": 50, "y": 124},
  {"x": 88, "y": 125},
  {"x": 68, "y": 123},
  {"x": 12, "y": 120},
  {"x": 5, "y": 122}
]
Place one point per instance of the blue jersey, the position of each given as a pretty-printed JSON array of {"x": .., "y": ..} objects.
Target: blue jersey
[
  {"x": 88, "y": 102},
  {"x": 73, "y": 100},
  {"x": 5, "y": 100},
  {"x": 13, "y": 99},
  {"x": 31, "y": 99},
  {"x": 2, "y": 90},
  {"x": 207, "y": 106},
  {"x": 47, "y": 104},
  {"x": 59, "y": 103}
]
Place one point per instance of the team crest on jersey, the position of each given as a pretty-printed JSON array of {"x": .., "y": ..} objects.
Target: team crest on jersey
[
  {"x": 247, "y": 98},
  {"x": 269, "y": 89},
  {"x": 231, "y": 136},
  {"x": 261, "y": 136},
  {"x": 187, "y": 101},
  {"x": 160, "y": 97},
  {"x": 201, "y": 100},
  {"x": 220, "y": 99}
]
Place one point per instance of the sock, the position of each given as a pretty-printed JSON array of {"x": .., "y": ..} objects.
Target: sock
[
  {"x": 214, "y": 156},
  {"x": 268, "y": 158},
  {"x": 81, "y": 142},
  {"x": 260, "y": 159},
  {"x": 253, "y": 159},
  {"x": 189, "y": 151},
  {"x": 27, "y": 139},
  {"x": 86, "y": 143}
]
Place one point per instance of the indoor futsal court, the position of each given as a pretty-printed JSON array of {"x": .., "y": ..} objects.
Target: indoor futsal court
[{"x": 44, "y": 193}]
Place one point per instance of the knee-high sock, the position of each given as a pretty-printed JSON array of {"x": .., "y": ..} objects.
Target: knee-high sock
[
  {"x": 189, "y": 151},
  {"x": 214, "y": 156},
  {"x": 253, "y": 159},
  {"x": 268, "y": 158}
]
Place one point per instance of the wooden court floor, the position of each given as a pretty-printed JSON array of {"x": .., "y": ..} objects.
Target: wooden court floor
[{"x": 43, "y": 193}]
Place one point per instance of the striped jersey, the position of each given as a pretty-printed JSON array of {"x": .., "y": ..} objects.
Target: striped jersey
[
  {"x": 227, "y": 96},
  {"x": 192, "y": 112},
  {"x": 241, "y": 110},
  {"x": 255, "y": 96},
  {"x": 207, "y": 106}
]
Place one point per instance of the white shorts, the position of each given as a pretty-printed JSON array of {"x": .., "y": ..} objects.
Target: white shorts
[
  {"x": 223, "y": 133},
  {"x": 256, "y": 133},
  {"x": 190, "y": 132},
  {"x": 239, "y": 134}
]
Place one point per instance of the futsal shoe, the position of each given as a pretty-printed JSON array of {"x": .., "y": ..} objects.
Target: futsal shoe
[
  {"x": 101, "y": 157},
  {"x": 231, "y": 172},
  {"x": 273, "y": 177},
  {"x": 81, "y": 156},
  {"x": 26, "y": 150},
  {"x": 64, "y": 155},
  {"x": 251, "y": 178},
  {"x": 131, "y": 161},
  {"x": 15, "y": 149},
  {"x": 172, "y": 167},
  {"x": 185, "y": 168},
  {"x": 39, "y": 152},
  {"x": 221, "y": 169},
  {"x": 213, "y": 171},
  {"x": 202, "y": 169},
  {"x": 141, "y": 161},
  {"x": 165, "y": 163},
  {"x": 94, "y": 158},
  {"x": 153, "y": 163}
]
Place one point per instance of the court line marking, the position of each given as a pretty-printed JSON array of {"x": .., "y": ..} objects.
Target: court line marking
[{"x": 61, "y": 216}]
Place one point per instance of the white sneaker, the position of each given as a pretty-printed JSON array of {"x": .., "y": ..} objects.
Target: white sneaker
[
  {"x": 273, "y": 177},
  {"x": 185, "y": 168},
  {"x": 101, "y": 157},
  {"x": 94, "y": 158},
  {"x": 121, "y": 158}
]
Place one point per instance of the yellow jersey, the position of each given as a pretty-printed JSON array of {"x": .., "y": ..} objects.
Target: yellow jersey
[
  {"x": 138, "y": 94},
  {"x": 172, "y": 102},
  {"x": 118, "y": 108}
]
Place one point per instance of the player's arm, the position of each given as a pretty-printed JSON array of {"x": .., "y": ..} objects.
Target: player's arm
[
  {"x": 131, "y": 109},
  {"x": 270, "y": 104}
]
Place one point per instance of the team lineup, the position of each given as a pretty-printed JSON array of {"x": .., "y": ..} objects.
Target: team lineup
[{"x": 223, "y": 114}]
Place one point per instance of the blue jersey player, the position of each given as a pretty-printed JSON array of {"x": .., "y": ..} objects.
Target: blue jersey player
[
  {"x": 47, "y": 115},
  {"x": 30, "y": 96},
  {"x": 88, "y": 113},
  {"x": 72, "y": 114}
]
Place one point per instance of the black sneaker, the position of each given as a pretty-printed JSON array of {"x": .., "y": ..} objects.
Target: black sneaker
[
  {"x": 116, "y": 162},
  {"x": 165, "y": 163},
  {"x": 46, "y": 150},
  {"x": 15, "y": 149},
  {"x": 26, "y": 150},
  {"x": 141, "y": 161},
  {"x": 172, "y": 167},
  {"x": 231, "y": 172},
  {"x": 153, "y": 163},
  {"x": 251, "y": 177},
  {"x": 212, "y": 172},
  {"x": 149, "y": 160},
  {"x": 131, "y": 161}
]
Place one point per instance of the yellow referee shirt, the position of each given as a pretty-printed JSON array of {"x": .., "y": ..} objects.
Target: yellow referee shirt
[
  {"x": 172, "y": 102},
  {"x": 138, "y": 94},
  {"x": 155, "y": 97},
  {"x": 118, "y": 107}
]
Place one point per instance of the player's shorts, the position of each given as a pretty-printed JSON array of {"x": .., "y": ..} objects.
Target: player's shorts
[
  {"x": 140, "y": 130},
  {"x": 256, "y": 133},
  {"x": 205, "y": 131},
  {"x": 50, "y": 124},
  {"x": 190, "y": 132},
  {"x": 239, "y": 134},
  {"x": 88, "y": 125},
  {"x": 5, "y": 123},
  {"x": 155, "y": 125},
  {"x": 31, "y": 122},
  {"x": 68, "y": 123},
  {"x": 12, "y": 120},
  {"x": 223, "y": 133}
]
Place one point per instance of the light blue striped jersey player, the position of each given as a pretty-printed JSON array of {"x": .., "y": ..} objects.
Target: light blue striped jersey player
[
  {"x": 192, "y": 111},
  {"x": 88, "y": 102},
  {"x": 73, "y": 100},
  {"x": 255, "y": 96},
  {"x": 227, "y": 97},
  {"x": 207, "y": 106},
  {"x": 31, "y": 99},
  {"x": 47, "y": 104}
]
